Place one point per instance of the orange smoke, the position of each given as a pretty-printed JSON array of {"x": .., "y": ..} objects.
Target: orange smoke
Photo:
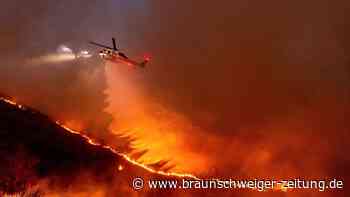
[
  {"x": 261, "y": 156},
  {"x": 282, "y": 148},
  {"x": 164, "y": 133}
]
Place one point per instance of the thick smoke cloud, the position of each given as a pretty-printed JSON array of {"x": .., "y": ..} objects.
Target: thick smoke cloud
[{"x": 248, "y": 75}]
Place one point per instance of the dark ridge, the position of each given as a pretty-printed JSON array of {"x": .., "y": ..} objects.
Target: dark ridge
[
  {"x": 34, "y": 148},
  {"x": 34, "y": 141}
]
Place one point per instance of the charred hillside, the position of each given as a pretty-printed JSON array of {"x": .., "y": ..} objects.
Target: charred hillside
[
  {"x": 40, "y": 148},
  {"x": 34, "y": 149}
]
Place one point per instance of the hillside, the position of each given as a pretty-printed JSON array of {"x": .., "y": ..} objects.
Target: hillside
[{"x": 39, "y": 153}]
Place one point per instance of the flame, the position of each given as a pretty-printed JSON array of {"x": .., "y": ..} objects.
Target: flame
[
  {"x": 283, "y": 187},
  {"x": 155, "y": 127},
  {"x": 12, "y": 103},
  {"x": 126, "y": 157},
  {"x": 91, "y": 141},
  {"x": 120, "y": 168}
]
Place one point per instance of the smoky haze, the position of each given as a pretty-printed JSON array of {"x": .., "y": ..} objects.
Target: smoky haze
[
  {"x": 238, "y": 75},
  {"x": 70, "y": 91},
  {"x": 249, "y": 60},
  {"x": 263, "y": 80}
]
